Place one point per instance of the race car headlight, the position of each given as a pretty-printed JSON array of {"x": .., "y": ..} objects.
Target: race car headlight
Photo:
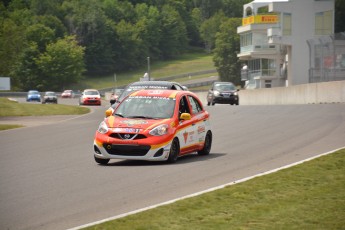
[
  {"x": 235, "y": 93},
  {"x": 216, "y": 93},
  {"x": 159, "y": 130},
  {"x": 103, "y": 128}
]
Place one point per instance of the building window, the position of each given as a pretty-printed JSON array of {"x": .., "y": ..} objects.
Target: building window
[
  {"x": 323, "y": 23},
  {"x": 286, "y": 24},
  {"x": 268, "y": 84},
  {"x": 261, "y": 67},
  {"x": 268, "y": 67},
  {"x": 246, "y": 39}
]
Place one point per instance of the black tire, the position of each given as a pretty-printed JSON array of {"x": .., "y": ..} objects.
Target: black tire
[
  {"x": 101, "y": 161},
  {"x": 208, "y": 144},
  {"x": 208, "y": 103},
  {"x": 213, "y": 103},
  {"x": 174, "y": 151}
]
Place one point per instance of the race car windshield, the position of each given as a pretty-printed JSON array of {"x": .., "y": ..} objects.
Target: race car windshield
[
  {"x": 91, "y": 93},
  {"x": 147, "y": 107},
  {"x": 33, "y": 93},
  {"x": 225, "y": 87}
]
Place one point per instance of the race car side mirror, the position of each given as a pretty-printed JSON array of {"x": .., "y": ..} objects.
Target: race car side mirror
[
  {"x": 185, "y": 116},
  {"x": 108, "y": 112}
]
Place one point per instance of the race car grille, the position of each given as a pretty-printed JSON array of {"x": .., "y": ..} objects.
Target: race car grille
[
  {"x": 127, "y": 150},
  {"x": 226, "y": 94},
  {"x": 127, "y": 136}
]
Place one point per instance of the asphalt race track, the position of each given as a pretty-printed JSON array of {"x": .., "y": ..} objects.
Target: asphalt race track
[{"x": 49, "y": 179}]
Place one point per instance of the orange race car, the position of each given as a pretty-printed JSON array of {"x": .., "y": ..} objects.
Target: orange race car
[{"x": 154, "y": 125}]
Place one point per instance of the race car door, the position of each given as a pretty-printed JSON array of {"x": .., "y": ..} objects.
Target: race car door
[
  {"x": 200, "y": 121},
  {"x": 187, "y": 133}
]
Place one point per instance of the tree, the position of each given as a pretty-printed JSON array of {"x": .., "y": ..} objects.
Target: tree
[
  {"x": 12, "y": 42},
  {"x": 209, "y": 29},
  {"x": 225, "y": 53},
  {"x": 149, "y": 27},
  {"x": 196, "y": 20},
  {"x": 53, "y": 23},
  {"x": 87, "y": 20},
  {"x": 41, "y": 35},
  {"x": 208, "y": 7},
  {"x": 46, "y": 7},
  {"x": 61, "y": 65},
  {"x": 174, "y": 35},
  {"x": 234, "y": 8},
  {"x": 131, "y": 46},
  {"x": 25, "y": 71}
]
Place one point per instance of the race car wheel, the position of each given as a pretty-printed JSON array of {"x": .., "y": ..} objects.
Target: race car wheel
[
  {"x": 207, "y": 146},
  {"x": 101, "y": 161},
  {"x": 174, "y": 151},
  {"x": 208, "y": 103}
]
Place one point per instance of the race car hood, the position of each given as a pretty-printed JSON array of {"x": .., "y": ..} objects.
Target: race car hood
[
  {"x": 228, "y": 91},
  {"x": 137, "y": 123}
]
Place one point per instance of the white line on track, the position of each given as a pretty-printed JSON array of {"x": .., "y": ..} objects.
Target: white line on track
[{"x": 201, "y": 192}]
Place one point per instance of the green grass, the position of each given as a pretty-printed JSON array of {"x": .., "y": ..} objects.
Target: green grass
[
  {"x": 12, "y": 108},
  {"x": 9, "y": 126},
  {"x": 307, "y": 196},
  {"x": 186, "y": 63}
]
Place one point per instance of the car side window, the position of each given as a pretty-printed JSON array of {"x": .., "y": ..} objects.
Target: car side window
[
  {"x": 196, "y": 107},
  {"x": 183, "y": 106},
  {"x": 178, "y": 87}
]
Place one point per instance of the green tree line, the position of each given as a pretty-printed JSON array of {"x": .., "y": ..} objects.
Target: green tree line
[{"x": 50, "y": 44}]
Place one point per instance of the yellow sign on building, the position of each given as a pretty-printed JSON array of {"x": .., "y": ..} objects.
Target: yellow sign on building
[{"x": 260, "y": 19}]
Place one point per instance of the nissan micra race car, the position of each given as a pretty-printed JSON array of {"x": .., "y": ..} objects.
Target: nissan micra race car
[{"x": 154, "y": 125}]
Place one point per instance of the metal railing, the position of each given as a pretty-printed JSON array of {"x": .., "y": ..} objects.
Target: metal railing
[{"x": 325, "y": 75}]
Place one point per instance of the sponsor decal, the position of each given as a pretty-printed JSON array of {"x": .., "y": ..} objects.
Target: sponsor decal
[
  {"x": 201, "y": 129},
  {"x": 155, "y": 92},
  {"x": 150, "y": 97},
  {"x": 185, "y": 136},
  {"x": 126, "y": 130},
  {"x": 126, "y": 142},
  {"x": 134, "y": 122},
  {"x": 148, "y": 87},
  {"x": 189, "y": 135}
]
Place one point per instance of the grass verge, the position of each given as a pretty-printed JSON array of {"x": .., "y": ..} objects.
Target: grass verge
[
  {"x": 306, "y": 196},
  {"x": 187, "y": 63},
  {"x": 8, "y": 126},
  {"x": 12, "y": 108}
]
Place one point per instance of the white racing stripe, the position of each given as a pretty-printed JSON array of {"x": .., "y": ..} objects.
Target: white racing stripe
[{"x": 201, "y": 192}]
